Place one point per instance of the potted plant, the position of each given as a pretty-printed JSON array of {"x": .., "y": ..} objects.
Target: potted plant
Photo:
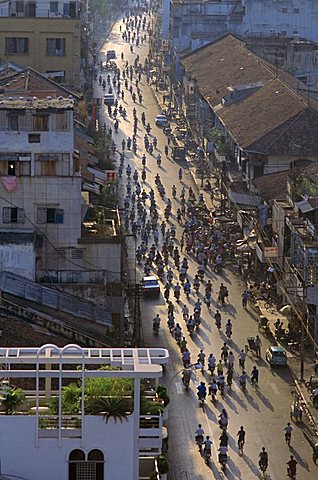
[
  {"x": 153, "y": 475},
  {"x": 13, "y": 399},
  {"x": 114, "y": 407},
  {"x": 162, "y": 464}
]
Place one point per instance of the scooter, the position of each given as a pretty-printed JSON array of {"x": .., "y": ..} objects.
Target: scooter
[
  {"x": 223, "y": 461},
  {"x": 155, "y": 328}
]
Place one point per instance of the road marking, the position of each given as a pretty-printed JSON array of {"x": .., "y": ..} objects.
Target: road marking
[
  {"x": 274, "y": 388},
  {"x": 179, "y": 387}
]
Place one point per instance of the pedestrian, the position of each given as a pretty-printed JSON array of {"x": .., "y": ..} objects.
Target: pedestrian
[
  {"x": 258, "y": 344},
  {"x": 164, "y": 98}
]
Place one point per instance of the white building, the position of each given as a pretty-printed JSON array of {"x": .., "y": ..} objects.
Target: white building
[
  {"x": 194, "y": 23},
  {"x": 36, "y": 445},
  {"x": 40, "y": 182},
  {"x": 39, "y": 8}
]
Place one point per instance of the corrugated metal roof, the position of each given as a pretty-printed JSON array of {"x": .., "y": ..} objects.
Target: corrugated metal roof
[{"x": 34, "y": 292}]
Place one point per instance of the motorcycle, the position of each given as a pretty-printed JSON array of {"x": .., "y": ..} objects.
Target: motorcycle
[
  {"x": 186, "y": 378},
  {"x": 223, "y": 460},
  {"x": 177, "y": 295},
  {"x": 155, "y": 328},
  {"x": 207, "y": 456}
]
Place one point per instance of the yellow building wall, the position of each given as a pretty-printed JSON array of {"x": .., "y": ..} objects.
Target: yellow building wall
[{"x": 37, "y": 30}]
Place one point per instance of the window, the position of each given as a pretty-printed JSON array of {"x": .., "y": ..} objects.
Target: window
[
  {"x": 12, "y": 170},
  {"x": 54, "y": 7},
  {"x": 30, "y": 9},
  {"x": 24, "y": 168},
  {"x": 48, "y": 168},
  {"x": 284, "y": 10},
  {"x": 296, "y": 10},
  {"x": 13, "y": 215},
  {"x": 69, "y": 9},
  {"x": 13, "y": 122},
  {"x": 19, "y": 7},
  {"x": 16, "y": 45},
  {"x": 41, "y": 123},
  {"x": 55, "y": 46},
  {"x": 90, "y": 469},
  {"x": 34, "y": 138},
  {"x": 60, "y": 121},
  {"x": 50, "y": 215}
]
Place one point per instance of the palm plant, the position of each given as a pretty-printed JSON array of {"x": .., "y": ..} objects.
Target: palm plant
[
  {"x": 13, "y": 399},
  {"x": 115, "y": 407}
]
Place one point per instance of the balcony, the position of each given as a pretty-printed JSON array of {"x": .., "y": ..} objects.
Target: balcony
[{"x": 150, "y": 434}]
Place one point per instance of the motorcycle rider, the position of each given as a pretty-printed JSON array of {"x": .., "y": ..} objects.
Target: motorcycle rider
[
  {"x": 199, "y": 434},
  {"x": 228, "y": 328},
  {"x": 254, "y": 376},
  {"x": 201, "y": 358},
  {"x": 218, "y": 319},
  {"x": 292, "y": 467},
  {"x": 201, "y": 391},
  {"x": 288, "y": 432},
  {"x": 242, "y": 357},
  {"x": 207, "y": 446},
  {"x": 211, "y": 363},
  {"x": 156, "y": 323},
  {"x": 263, "y": 460},
  {"x": 241, "y": 437},
  {"x": 213, "y": 388}
]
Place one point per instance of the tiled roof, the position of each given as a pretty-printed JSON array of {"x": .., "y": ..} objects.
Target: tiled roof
[
  {"x": 261, "y": 113},
  {"x": 272, "y": 186},
  {"x": 223, "y": 63},
  {"x": 31, "y": 82},
  {"x": 274, "y": 118}
]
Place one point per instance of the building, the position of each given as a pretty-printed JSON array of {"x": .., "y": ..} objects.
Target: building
[
  {"x": 260, "y": 119},
  {"x": 195, "y": 23},
  {"x": 90, "y": 442},
  {"x": 294, "y": 54},
  {"x": 43, "y": 35},
  {"x": 42, "y": 176}
]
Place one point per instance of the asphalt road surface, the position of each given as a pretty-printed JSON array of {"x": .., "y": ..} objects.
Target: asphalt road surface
[{"x": 264, "y": 412}]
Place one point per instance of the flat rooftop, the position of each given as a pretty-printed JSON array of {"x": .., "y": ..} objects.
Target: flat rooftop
[{"x": 127, "y": 362}]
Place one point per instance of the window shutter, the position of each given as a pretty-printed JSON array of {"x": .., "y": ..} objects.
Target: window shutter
[
  {"x": 6, "y": 214},
  {"x": 59, "y": 215},
  {"x": 20, "y": 215},
  {"x": 42, "y": 215}
]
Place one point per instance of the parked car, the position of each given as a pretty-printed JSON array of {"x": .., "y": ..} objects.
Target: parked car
[
  {"x": 151, "y": 286},
  {"x": 161, "y": 121},
  {"x": 110, "y": 55},
  {"x": 109, "y": 99},
  {"x": 276, "y": 355}
]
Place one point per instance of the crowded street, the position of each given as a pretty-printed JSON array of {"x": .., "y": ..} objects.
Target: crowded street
[{"x": 165, "y": 237}]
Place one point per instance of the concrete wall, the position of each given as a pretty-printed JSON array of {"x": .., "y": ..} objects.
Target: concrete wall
[
  {"x": 37, "y": 30},
  {"x": 207, "y": 22},
  {"x": 19, "y": 455},
  {"x": 295, "y": 17},
  {"x": 18, "y": 259}
]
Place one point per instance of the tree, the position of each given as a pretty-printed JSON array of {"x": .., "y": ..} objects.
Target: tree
[{"x": 13, "y": 399}]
